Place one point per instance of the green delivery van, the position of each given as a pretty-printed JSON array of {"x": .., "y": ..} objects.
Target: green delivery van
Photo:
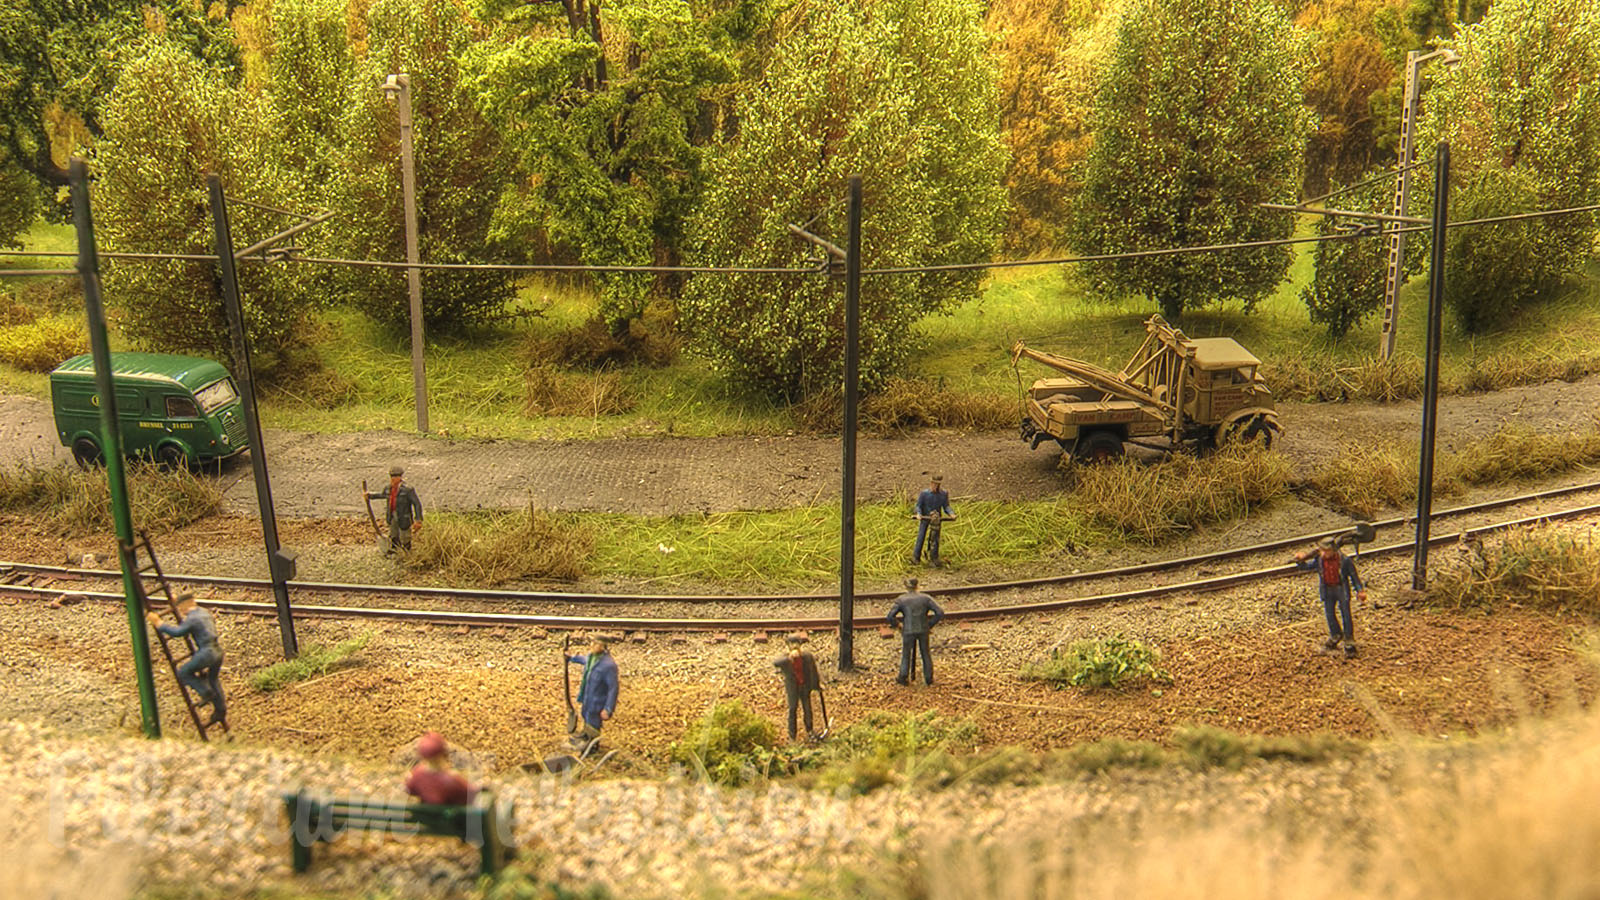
[{"x": 177, "y": 410}]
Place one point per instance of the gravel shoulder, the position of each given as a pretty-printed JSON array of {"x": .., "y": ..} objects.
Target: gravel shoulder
[{"x": 317, "y": 475}]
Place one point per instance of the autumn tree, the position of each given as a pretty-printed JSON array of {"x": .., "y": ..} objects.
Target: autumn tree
[
  {"x": 900, "y": 91},
  {"x": 609, "y": 106},
  {"x": 1351, "y": 64},
  {"x": 1197, "y": 122},
  {"x": 1523, "y": 119},
  {"x": 1050, "y": 57}
]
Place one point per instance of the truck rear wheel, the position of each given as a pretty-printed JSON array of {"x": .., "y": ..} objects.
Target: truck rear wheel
[
  {"x": 87, "y": 453},
  {"x": 172, "y": 458},
  {"x": 1098, "y": 447}
]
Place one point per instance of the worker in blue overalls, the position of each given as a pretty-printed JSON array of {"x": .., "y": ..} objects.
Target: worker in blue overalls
[
  {"x": 933, "y": 507},
  {"x": 597, "y": 692}
]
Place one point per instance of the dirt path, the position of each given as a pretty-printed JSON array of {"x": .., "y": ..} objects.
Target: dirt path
[{"x": 320, "y": 475}]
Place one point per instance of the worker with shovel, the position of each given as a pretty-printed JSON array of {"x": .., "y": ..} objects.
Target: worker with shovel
[
  {"x": 800, "y": 678},
  {"x": 1336, "y": 580},
  {"x": 597, "y": 692}
]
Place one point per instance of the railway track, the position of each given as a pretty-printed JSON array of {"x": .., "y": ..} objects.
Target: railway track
[{"x": 24, "y": 579}]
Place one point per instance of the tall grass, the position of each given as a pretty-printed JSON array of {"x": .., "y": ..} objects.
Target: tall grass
[
  {"x": 1153, "y": 502},
  {"x": 74, "y": 503},
  {"x": 496, "y": 547},
  {"x": 1512, "y": 820},
  {"x": 1363, "y": 481},
  {"x": 1544, "y": 567}
]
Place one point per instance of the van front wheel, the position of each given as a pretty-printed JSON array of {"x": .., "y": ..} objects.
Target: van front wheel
[
  {"x": 172, "y": 458},
  {"x": 87, "y": 453}
]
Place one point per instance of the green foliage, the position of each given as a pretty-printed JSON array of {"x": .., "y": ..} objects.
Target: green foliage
[
  {"x": 901, "y": 92},
  {"x": 1350, "y": 273},
  {"x": 43, "y": 344},
  {"x": 1206, "y": 747},
  {"x": 318, "y": 659},
  {"x": 515, "y": 882},
  {"x": 1104, "y": 663},
  {"x": 461, "y": 163},
  {"x": 609, "y": 106},
  {"x": 1351, "y": 66},
  {"x": 19, "y": 200},
  {"x": 918, "y": 749},
  {"x": 730, "y": 745},
  {"x": 169, "y": 123},
  {"x": 1198, "y": 120},
  {"x": 1523, "y": 121}
]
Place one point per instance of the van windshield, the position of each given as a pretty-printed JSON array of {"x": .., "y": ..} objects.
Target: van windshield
[{"x": 216, "y": 395}]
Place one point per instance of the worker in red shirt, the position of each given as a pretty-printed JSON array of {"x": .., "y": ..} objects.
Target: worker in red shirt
[
  {"x": 432, "y": 780},
  {"x": 1336, "y": 578}
]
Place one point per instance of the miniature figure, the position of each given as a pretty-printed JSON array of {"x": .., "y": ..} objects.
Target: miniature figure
[
  {"x": 1336, "y": 577},
  {"x": 933, "y": 507},
  {"x": 597, "y": 691},
  {"x": 202, "y": 671},
  {"x": 404, "y": 511},
  {"x": 800, "y": 678},
  {"x": 432, "y": 780},
  {"x": 915, "y": 608}
]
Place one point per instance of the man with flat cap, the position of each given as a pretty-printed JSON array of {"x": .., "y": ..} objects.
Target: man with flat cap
[
  {"x": 933, "y": 507},
  {"x": 800, "y": 678},
  {"x": 597, "y": 691},
  {"x": 404, "y": 510},
  {"x": 918, "y": 614},
  {"x": 1336, "y": 578}
]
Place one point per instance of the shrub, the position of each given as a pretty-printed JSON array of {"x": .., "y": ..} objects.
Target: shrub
[
  {"x": 730, "y": 745},
  {"x": 1111, "y": 662},
  {"x": 75, "y": 503},
  {"x": 651, "y": 340},
  {"x": 43, "y": 344},
  {"x": 1349, "y": 281},
  {"x": 1152, "y": 502},
  {"x": 500, "y": 546},
  {"x": 1542, "y": 567},
  {"x": 923, "y": 749},
  {"x": 1110, "y": 753},
  {"x": 313, "y": 661}
]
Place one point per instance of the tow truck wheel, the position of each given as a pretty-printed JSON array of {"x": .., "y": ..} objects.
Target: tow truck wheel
[
  {"x": 87, "y": 453},
  {"x": 1256, "y": 429},
  {"x": 1098, "y": 447}
]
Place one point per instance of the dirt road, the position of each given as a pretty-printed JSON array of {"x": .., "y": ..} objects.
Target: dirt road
[{"x": 320, "y": 475}]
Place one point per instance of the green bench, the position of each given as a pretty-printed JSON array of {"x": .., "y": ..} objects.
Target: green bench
[{"x": 482, "y": 823}]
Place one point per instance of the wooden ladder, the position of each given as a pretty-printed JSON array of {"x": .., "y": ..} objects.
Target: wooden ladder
[{"x": 188, "y": 648}]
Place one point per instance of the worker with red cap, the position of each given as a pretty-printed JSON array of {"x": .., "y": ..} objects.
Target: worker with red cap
[{"x": 432, "y": 780}]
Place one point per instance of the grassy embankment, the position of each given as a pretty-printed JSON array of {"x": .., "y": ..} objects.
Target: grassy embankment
[{"x": 505, "y": 383}]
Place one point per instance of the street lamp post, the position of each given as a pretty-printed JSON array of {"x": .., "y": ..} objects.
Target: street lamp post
[
  {"x": 1402, "y": 193},
  {"x": 398, "y": 89}
]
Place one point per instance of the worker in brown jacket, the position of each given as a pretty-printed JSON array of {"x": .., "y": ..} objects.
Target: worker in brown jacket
[{"x": 800, "y": 678}]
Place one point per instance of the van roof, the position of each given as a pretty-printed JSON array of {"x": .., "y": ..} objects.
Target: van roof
[
  {"x": 1221, "y": 353},
  {"x": 191, "y": 372}
]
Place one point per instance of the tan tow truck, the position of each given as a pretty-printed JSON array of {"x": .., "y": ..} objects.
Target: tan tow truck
[{"x": 1176, "y": 392}]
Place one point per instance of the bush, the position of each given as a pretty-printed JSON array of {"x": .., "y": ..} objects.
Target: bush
[
  {"x": 1542, "y": 567},
  {"x": 1349, "y": 280},
  {"x": 1152, "y": 502},
  {"x": 1205, "y": 746},
  {"x": 43, "y": 344},
  {"x": 75, "y": 503},
  {"x": 1110, "y": 753},
  {"x": 1111, "y": 662},
  {"x": 730, "y": 745},
  {"x": 312, "y": 662},
  {"x": 498, "y": 547},
  {"x": 922, "y": 749}
]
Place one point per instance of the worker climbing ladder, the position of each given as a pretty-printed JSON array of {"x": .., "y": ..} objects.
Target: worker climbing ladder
[{"x": 187, "y": 648}]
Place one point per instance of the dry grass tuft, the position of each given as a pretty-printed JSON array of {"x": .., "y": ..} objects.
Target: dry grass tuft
[
  {"x": 1504, "y": 370},
  {"x": 42, "y": 344},
  {"x": 1320, "y": 377},
  {"x": 1364, "y": 480},
  {"x": 551, "y": 392},
  {"x": 1150, "y": 503},
  {"x": 13, "y": 312},
  {"x": 908, "y": 404},
  {"x": 499, "y": 547},
  {"x": 303, "y": 379},
  {"x": 1514, "y": 453},
  {"x": 74, "y": 503},
  {"x": 1543, "y": 567}
]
